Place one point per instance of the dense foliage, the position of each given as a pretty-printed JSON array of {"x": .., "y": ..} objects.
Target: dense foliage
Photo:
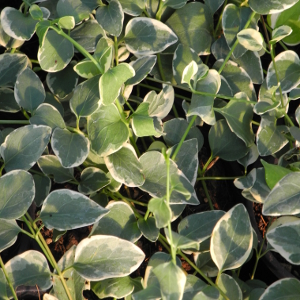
[{"x": 86, "y": 120}]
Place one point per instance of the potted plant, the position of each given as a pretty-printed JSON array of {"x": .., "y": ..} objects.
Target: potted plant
[{"x": 86, "y": 126}]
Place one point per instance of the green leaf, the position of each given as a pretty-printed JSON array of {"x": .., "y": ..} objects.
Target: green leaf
[
  {"x": 111, "y": 17},
  {"x": 192, "y": 286},
  {"x": 195, "y": 29},
  {"x": 71, "y": 148},
  {"x": 86, "y": 69},
  {"x": 154, "y": 169},
  {"x": 208, "y": 293},
  {"x": 42, "y": 188},
  {"x": 251, "y": 39},
  {"x": 86, "y": 98},
  {"x": 230, "y": 287},
  {"x": 237, "y": 78},
  {"x": 3, "y": 285},
  {"x": 50, "y": 165},
  {"x": 233, "y": 21},
  {"x": 79, "y": 9},
  {"x": 231, "y": 241},
  {"x": 269, "y": 138},
  {"x": 224, "y": 143},
  {"x": 75, "y": 283},
  {"x": 92, "y": 180},
  {"x": 8, "y": 41},
  {"x": 288, "y": 288},
  {"x": 284, "y": 197},
  {"x": 7, "y": 101},
  {"x": 288, "y": 70},
  {"x": 23, "y": 147},
  {"x": 133, "y": 7},
  {"x": 65, "y": 209},
  {"x": 16, "y": 24},
  {"x": 11, "y": 65},
  {"x": 146, "y": 36},
  {"x": 270, "y": 7},
  {"x": 87, "y": 35},
  {"x": 214, "y": 5},
  {"x": 42, "y": 28},
  {"x": 102, "y": 256},
  {"x": 124, "y": 166},
  {"x": 174, "y": 130},
  {"x": 175, "y": 4},
  {"x": 120, "y": 221},
  {"x": 143, "y": 124},
  {"x": 250, "y": 61},
  {"x": 113, "y": 287},
  {"x": 106, "y": 58},
  {"x": 274, "y": 173},
  {"x": 107, "y": 132},
  {"x": 250, "y": 157},
  {"x": 8, "y": 233},
  {"x": 48, "y": 115},
  {"x": 280, "y": 33},
  {"x": 285, "y": 240},
  {"x": 29, "y": 90},
  {"x": 239, "y": 118},
  {"x": 289, "y": 17},
  {"x": 55, "y": 53},
  {"x": 35, "y": 12},
  {"x": 202, "y": 105},
  {"x": 62, "y": 83},
  {"x": 181, "y": 242},
  {"x": 187, "y": 159},
  {"x": 161, "y": 211},
  {"x": 199, "y": 226},
  {"x": 183, "y": 55},
  {"x": 142, "y": 67},
  {"x": 168, "y": 273},
  {"x": 189, "y": 72},
  {"x": 67, "y": 22},
  {"x": 148, "y": 228},
  {"x": 111, "y": 82},
  {"x": 29, "y": 268},
  {"x": 161, "y": 104}
]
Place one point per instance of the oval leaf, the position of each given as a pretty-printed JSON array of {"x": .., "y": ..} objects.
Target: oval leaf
[
  {"x": 55, "y": 53},
  {"x": 270, "y": 6},
  {"x": 146, "y": 36},
  {"x": 231, "y": 241},
  {"x": 102, "y": 256},
  {"x": 120, "y": 222},
  {"x": 8, "y": 232},
  {"x": 65, "y": 209},
  {"x": 251, "y": 39},
  {"x": 71, "y": 148},
  {"x": 125, "y": 167},
  {"x": 23, "y": 147}
]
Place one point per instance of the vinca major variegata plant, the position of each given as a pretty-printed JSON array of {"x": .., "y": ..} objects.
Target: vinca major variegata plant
[{"x": 118, "y": 100}]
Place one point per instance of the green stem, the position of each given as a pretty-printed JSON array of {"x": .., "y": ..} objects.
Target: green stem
[
  {"x": 173, "y": 248},
  {"x": 39, "y": 238},
  {"x": 219, "y": 178},
  {"x": 183, "y": 137},
  {"x": 161, "y": 71},
  {"x": 25, "y": 114},
  {"x": 7, "y": 279},
  {"x": 255, "y": 123},
  {"x": 128, "y": 199},
  {"x": 1, "y": 169},
  {"x": 116, "y": 50},
  {"x": 147, "y": 214},
  {"x": 207, "y": 195},
  {"x": 78, "y": 47},
  {"x": 133, "y": 143},
  {"x": 162, "y": 240},
  {"x": 197, "y": 92},
  {"x": 288, "y": 119},
  {"x": 15, "y": 122},
  {"x": 235, "y": 43},
  {"x": 219, "y": 21},
  {"x": 160, "y": 10},
  {"x": 201, "y": 273}
]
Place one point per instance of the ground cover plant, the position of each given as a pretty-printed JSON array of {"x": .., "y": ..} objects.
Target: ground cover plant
[{"x": 116, "y": 101}]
